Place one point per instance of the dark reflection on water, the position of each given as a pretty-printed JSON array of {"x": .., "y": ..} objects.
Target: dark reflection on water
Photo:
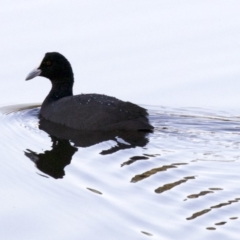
[
  {"x": 146, "y": 233},
  {"x": 169, "y": 186},
  {"x": 200, "y": 213},
  {"x": 202, "y": 193},
  {"x": 54, "y": 161},
  {"x": 211, "y": 228},
  {"x": 123, "y": 139},
  {"x": 94, "y": 190},
  {"x": 186, "y": 145},
  {"x": 220, "y": 224},
  {"x": 147, "y": 174},
  {"x": 134, "y": 159}
]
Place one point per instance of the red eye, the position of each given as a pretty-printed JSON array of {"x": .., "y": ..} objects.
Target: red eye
[{"x": 48, "y": 63}]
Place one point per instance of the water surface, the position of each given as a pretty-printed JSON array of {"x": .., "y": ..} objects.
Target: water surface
[{"x": 180, "y": 182}]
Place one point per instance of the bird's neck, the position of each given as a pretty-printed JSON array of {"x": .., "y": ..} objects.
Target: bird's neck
[{"x": 60, "y": 89}]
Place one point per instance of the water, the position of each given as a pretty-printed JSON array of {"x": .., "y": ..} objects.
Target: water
[{"x": 180, "y": 182}]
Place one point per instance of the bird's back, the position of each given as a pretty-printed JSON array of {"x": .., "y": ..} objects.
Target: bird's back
[{"x": 96, "y": 112}]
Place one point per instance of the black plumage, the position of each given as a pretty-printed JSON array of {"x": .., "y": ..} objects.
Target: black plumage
[{"x": 84, "y": 111}]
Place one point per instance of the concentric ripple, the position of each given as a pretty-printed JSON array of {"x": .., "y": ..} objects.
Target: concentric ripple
[{"x": 180, "y": 182}]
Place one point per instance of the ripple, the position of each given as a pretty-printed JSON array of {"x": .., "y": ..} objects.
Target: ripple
[
  {"x": 134, "y": 181},
  {"x": 146, "y": 233},
  {"x": 200, "y": 213},
  {"x": 203, "y": 193},
  {"x": 169, "y": 186},
  {"x": 94, "y": 190},
  {"x": 151, "y": 172}
]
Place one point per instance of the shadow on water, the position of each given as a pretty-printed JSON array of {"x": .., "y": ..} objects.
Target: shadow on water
[{"x": 53, "y": 162}]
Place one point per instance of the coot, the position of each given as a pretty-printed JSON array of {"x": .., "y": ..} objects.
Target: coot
[{"x": 84, "y": 111}]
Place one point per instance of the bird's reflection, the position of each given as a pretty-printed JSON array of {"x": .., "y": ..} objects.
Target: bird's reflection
[{"x": 52, "y": 162}]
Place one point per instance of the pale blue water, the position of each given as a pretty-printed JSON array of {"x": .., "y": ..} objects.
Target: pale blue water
[{"x": 180, "y": 182}]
